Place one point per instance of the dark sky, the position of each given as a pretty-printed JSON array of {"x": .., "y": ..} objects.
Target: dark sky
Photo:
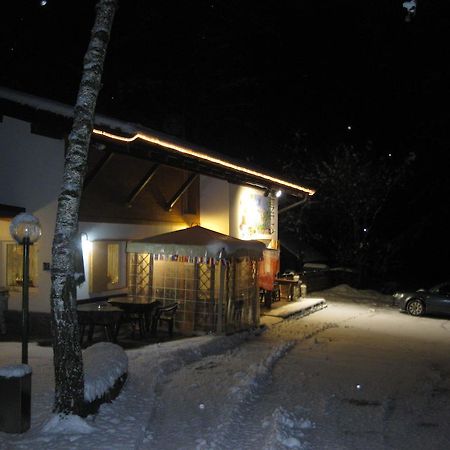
[{"x": 243, "y": 76}]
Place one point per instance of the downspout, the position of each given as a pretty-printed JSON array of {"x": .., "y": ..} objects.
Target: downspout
[{"x": 294, "y": 205}]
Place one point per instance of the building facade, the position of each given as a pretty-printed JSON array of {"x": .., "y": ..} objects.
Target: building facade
[{"x": 139, "y": 183}]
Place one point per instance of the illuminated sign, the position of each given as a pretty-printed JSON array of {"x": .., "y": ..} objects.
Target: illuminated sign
[{"x": 255, "y": 215}]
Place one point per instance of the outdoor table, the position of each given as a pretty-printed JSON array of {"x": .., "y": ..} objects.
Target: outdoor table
[
  {"x": 138, "y": 308},
  {"x": 290, "y": 283},
  {"x": 103, "y": 314}
]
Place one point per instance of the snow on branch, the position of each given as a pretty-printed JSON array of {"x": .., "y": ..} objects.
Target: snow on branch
[
  {"x": 104, "y": 364},
  {"x": 411, "y": 7}
]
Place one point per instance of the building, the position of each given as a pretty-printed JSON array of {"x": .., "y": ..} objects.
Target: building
[{"x": 139, "y": 183}]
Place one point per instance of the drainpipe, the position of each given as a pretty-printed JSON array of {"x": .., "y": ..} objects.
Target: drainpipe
[{"x": 294, "y": 205}]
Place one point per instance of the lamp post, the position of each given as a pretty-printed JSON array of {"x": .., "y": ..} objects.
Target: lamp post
[{"x": 26, "y": 230}]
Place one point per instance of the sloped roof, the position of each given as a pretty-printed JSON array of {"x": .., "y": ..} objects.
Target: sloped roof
[
  {"x": 197, "y": 242},
  {"x": 135, "y": 140}
]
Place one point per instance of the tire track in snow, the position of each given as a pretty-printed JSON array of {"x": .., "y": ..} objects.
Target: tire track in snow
[{"x": 201, "y": 404}]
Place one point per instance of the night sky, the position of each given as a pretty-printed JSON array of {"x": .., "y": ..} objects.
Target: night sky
[{"x": 241, "y": 77}]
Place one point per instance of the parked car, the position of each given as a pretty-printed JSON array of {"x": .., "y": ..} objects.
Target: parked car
[{"x": 432, "y": 301}]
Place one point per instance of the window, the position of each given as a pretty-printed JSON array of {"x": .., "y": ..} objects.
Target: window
[
  {"x": 444, "y": 289},
  {"x": 108, "y": 266},
  {"x": 14, "y": 265},
  {"x": 113, "y": 264}
]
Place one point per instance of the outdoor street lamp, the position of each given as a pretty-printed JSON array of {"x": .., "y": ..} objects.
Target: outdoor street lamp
[{"x": 26, "y": 230}]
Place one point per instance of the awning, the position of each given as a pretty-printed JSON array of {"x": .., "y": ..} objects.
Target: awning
[{"x": 197, "y": 242}]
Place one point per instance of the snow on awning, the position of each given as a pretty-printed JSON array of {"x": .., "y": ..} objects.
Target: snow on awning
[{"x": 197, "y": 242}]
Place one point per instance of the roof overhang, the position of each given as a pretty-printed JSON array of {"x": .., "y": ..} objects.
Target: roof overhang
[
  {"x": 203, "y": 161},
  {"x": 9, "y": 211},
  {"x": 141, "y": 142}
]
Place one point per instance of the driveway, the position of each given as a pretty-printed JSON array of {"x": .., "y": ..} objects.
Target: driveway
[
  {"x": 354, "y": 376},
  {"x": 367, "y": 377}
]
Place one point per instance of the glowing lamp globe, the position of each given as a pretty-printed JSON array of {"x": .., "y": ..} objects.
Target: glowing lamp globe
[{"x": 25, "y": 228}]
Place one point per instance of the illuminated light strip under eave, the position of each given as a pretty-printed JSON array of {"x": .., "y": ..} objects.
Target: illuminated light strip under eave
[{"x": 203, "y": 156}]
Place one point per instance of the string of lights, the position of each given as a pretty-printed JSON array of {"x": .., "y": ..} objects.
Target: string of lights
[{"x": 203, "y": 156}]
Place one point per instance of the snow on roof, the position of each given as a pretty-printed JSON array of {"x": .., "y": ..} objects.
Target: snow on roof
[
  {"x": 135, "y": 131},
  {"x": 197, "y": 242}
]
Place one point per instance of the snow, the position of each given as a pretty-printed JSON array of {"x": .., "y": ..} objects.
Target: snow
[
  {"x": 67, "y": 424},
  {"x": 315, "y": 266},
  {"x": 296, "y": 307},
  {"x": 104, "y": 363},
  {"x": 63, "y": 110},
  {"x": 345, "y": 293},
  {"x": 15, "y": 370},
  {"x": 410, "y": 6},
  {"x": 358, "y": 374}
]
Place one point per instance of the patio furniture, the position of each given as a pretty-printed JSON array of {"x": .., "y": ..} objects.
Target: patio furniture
[
  {"x": 290, "y": 285},
  {"x": 267, "y": 297},
  {"x": 104, "y": 315},
  {"x": 3, "y": 307},
  {"x": 164, "y": 314},
  {"x": 137, "y": 310}
]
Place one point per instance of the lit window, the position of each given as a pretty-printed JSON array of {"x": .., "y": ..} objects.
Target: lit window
[
  {"x": 14, "y": 265},
  {"x": 113, "y": 263},
  {"x": 107, "y": 266}
]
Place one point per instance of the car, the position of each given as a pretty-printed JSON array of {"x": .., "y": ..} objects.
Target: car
[{"x": 425, "y": 301}]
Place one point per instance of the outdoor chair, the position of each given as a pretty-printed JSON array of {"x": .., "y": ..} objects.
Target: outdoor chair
[
  {"x": 137, "y": 321},
  {"x": 97, "y": 318},
  {"x": 139, "y": 318},
  {"x": 267, "y": 297},
  {"x": 164, "y": 314},
  {"x": 276, "y": 293}
]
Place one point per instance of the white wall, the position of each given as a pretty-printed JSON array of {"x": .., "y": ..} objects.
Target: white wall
[
  {"x": 30, "y": 176},
  {"x": 31, "y": 168},
  {"x": 214, "y": 204},
  {"x": 118, "y": 231},
  {"x": 223, "y": 205}
]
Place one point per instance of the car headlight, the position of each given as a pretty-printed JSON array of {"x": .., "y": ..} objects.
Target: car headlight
[{"x": 398, "y": 298}]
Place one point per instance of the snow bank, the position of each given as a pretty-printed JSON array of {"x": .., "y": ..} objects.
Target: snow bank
[
  {"x": 258, "y": 373},
  {"x": 67, "y": 424},
  {"x": 345, "y": 293},
  {"x": 15, "y": 371},
  {"x": 104, "y": 364}
]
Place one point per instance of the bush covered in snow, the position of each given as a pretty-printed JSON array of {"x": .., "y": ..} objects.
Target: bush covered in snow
[{"x": 105, "y": 372}]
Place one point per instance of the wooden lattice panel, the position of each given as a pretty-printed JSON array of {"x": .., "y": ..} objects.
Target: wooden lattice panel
[{"x": 141, "y": 274}]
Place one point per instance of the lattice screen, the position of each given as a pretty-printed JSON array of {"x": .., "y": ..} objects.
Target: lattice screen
[
  {"x": 196, "y": 288},
  {"x": 140, "y": 274}
]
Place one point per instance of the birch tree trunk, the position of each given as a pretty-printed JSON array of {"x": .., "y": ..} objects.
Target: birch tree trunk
[{"x": 68, "y": 362}]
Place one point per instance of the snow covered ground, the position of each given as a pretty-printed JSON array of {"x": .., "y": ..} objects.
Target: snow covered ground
[{"x": 356, "y": 375}]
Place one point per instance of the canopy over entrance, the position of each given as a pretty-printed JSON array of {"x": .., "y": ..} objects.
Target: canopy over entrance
[{"x": 197, "y": 242}]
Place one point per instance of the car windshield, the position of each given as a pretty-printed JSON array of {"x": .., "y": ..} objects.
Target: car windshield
[{"x": 442, "y": 288}]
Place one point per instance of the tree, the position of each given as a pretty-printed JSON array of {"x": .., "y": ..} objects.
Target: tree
[
  {"x": 69, "y": 380},
  {"x": 355, "y": 186},
  {"x": 411, "y": 7}
]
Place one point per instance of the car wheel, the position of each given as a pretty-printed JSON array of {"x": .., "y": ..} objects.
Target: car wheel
[{"x": 415, "y": 307}]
